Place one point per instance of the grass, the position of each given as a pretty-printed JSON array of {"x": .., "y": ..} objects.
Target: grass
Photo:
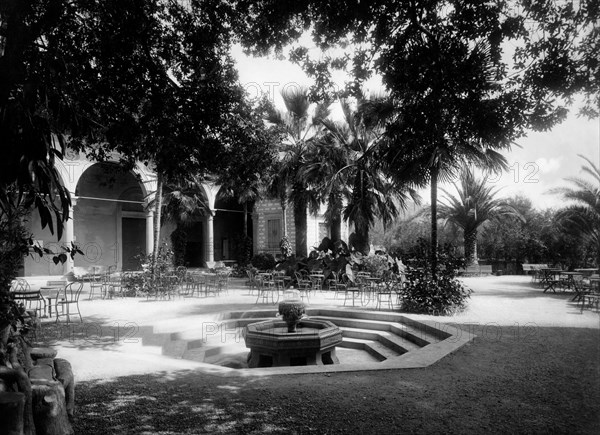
[{"x": 509, "y": 380}]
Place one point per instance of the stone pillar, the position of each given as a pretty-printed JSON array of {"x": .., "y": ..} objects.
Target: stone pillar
[
  {"x": 69, "y": 236},
  {"x": 149, "y": 232},
  {"x": 210, "y": 238}
]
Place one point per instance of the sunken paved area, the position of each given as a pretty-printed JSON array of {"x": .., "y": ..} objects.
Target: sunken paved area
[{"x": 107, "y": 344}]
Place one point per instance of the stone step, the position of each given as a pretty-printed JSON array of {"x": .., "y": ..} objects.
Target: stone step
[
  {"x": 194, "y": 354},
  {"x": 375, "y": 348},
  {"x": 147, "y": 341},
  {"x": 417, "y": 336},
  {"x": 397, "y": 343},
  {"x": 215, "y": 333},
  {"x": 175, "y": 348}
]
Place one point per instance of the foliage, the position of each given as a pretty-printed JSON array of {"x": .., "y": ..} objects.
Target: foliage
[
  {"x": 263, "y": 261},
  {"x": 582, "y": 219},
  {"x": 164, "y": 261},
  {"x": 474, "y": 205},
  {"x": 536, "y": 237},
  {"x": 454, "y": 98},
  {"x": 286, "y": 247},
  {"x": 35, "y": 111},
  {"x": 344, "y": 166},
  {"x": 242, "y": 249},
  {"x": 438, "y": 294},
  {"x": 150, "y": 279},
  {"x": 291, "y": 311},
  {"x": 559, "y": 56},
  {"x": 298, "y": 127},
  {"x": 249, "y": 165},
  {"x": 15, "y": 244},
  {"x": 375, "y": 264},
  {"x": 179, "y": 242}
]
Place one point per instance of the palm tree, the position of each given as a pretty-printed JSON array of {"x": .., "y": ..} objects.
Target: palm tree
[
  {"x": 353, "y": 169},
  {"x": 179, "y": 201},
  {"x": 474, "y": 205},
  {"x": 440, "y": 122},
  {"x": 276, "y": 187},
  {"x": 324, "y": 172},
  {"x": 583, "y": 217},
  {"x": 299, "y": 129}
]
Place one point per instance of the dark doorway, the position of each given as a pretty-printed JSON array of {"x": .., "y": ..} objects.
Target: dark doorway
[
  {"x": 134, "y": 242},
  {"x": 194, "y": 248}
]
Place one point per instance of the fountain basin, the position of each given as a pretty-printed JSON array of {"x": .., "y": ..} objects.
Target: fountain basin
[{"x": 271, "y": 345}]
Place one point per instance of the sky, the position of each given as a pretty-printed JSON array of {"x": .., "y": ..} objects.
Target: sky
[{"x": 539, "y": 163}]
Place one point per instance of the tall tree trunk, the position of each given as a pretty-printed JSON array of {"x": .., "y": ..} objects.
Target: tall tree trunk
[
  {"x": 245, "y": 219},
  {"x": 283, "y": 201},
  {"x": 362, "y": 239},
  {"x": 598, "y": 253},
  {"x": 157, "y": 218},
  {"x": 301, "y": 225},
  {"x": 434, "y": 232},
  {"x": 336, "y": 228},
  {"x": 470, "y": 246}
]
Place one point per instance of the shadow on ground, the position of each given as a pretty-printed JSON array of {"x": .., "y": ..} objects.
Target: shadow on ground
[
  {"x": 94, "y": 332},
  {"x": 536, "y": 380}
]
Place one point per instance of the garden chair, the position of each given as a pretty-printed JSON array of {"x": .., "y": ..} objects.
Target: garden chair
[
  {"x": 67, "y": 300},
  {"x": 196, "y": 283},
  {"x": 223, "y": 281},
  {"x": 385, "y": 291},
  {"x": 211, "y": 284},
  {"x": 267, "y": 288},
  {"x": 168, "y": 286},
  {"x": 304, "y": 286},
  {"x": 96, "y": 280},
  {"x": 252, "y": 281},
  {"x": 332, "y": 283},
  {"x": 112, "y": 285},
  {"x": 351, "y": 290},
  {"x": 32, "y": 300},
  {"x": 316, "y": 277},
  {"x": 581, "y": 288},
  {"x": 592, "y": 296},
  {"x": 183, "y": 289}
]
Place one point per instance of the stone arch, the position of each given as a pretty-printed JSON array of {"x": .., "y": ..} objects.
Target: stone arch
[{"x": 110, "y": 223}]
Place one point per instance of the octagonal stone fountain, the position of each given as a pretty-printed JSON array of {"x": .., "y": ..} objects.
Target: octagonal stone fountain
[{"x": 292, "y": 341}]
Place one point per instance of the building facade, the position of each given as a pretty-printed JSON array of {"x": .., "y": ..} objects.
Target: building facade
[
  {"x": 268, "y": 228},
  {"x": 113, "y": 225}
]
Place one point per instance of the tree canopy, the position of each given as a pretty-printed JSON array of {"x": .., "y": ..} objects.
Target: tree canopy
[
  {"x": 455, "y": 96},
  {"x": 149, "y": 81}
]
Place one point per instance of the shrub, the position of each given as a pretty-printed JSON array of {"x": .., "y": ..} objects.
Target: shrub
[
  {"x": 444, "y": 294},
  {"x": 376, "y": 265},
  {"x": 263, "y": 261},
  {"x": 179, "y": 243},
  {"x": 242, "y": 249},
  {"x": 147, "y": 282}
]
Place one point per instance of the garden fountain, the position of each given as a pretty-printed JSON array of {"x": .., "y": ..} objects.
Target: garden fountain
[{"x": 293, "y": 340}]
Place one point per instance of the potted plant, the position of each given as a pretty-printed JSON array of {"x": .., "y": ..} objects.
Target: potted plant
[{"x": 292, "y": 309}]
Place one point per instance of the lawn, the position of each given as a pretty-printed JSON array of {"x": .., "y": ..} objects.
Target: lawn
[{"x": 532, "y": 380}]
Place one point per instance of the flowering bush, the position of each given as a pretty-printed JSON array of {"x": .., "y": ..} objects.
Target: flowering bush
[{"x": 286, "y": 247}]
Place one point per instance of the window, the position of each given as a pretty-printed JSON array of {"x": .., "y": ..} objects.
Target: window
[{"x": 273, "y": 233}]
